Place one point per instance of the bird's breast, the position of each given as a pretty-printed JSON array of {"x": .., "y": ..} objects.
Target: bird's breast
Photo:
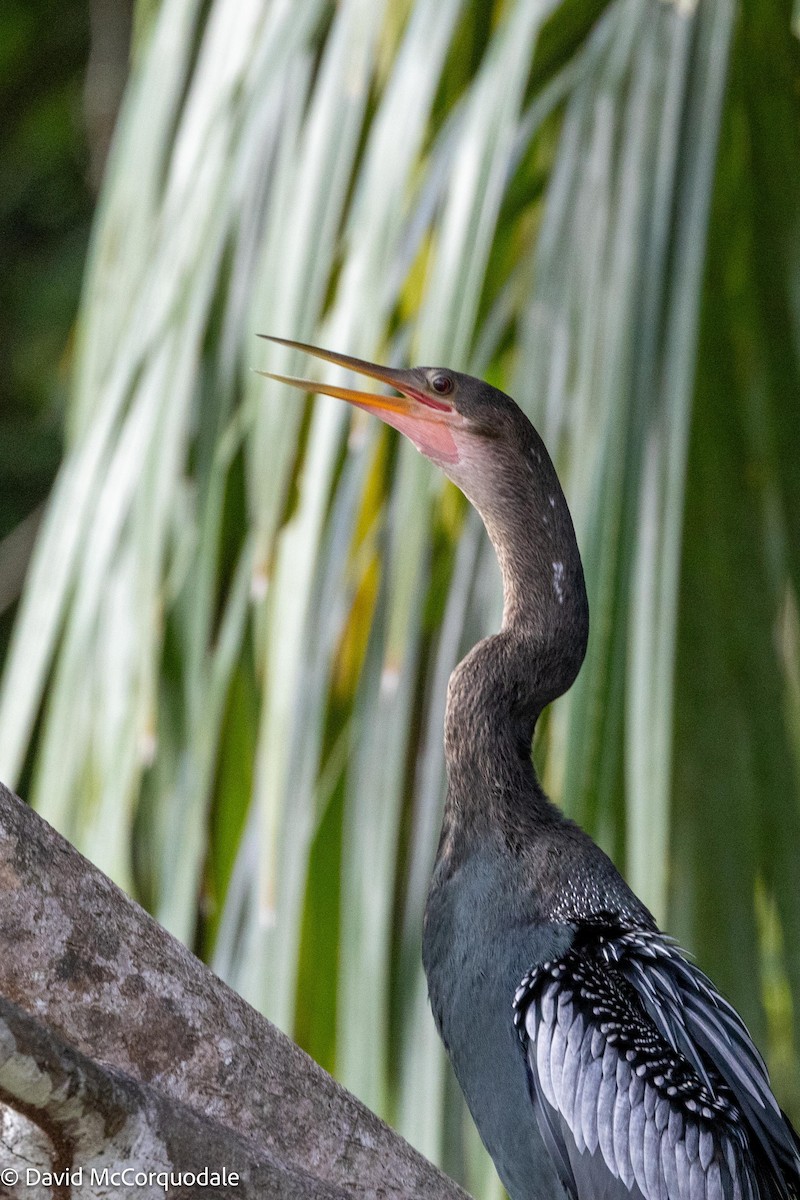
[{"x": 477, "y": 946}]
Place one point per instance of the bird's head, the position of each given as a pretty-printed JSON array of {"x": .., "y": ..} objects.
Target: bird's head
[
  {"x": 484, "y": 442},
  {"x": 460, "y": 423}
]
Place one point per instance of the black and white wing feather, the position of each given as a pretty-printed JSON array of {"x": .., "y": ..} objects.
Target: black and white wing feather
[{"x": 645, "y": 1081}]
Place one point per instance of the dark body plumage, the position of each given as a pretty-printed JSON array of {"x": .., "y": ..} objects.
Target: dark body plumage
[{"x": 597, "y": 1062}]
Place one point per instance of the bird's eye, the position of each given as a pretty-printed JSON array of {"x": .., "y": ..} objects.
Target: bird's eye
[{"x": 442, "y": 384}]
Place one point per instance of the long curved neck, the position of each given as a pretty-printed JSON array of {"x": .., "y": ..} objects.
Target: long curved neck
[{"x": 497, "y": 693}]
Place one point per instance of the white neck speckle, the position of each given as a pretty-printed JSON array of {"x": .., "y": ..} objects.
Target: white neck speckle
[{"x": 558, "y": 581}]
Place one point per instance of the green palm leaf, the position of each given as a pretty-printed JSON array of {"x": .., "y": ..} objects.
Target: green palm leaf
[{"x": 227, "y": 678}]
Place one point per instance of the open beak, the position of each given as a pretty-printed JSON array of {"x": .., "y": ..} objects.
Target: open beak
[
  {"x": 413, "y": 401},
  {"x": 428, "y": 422}
]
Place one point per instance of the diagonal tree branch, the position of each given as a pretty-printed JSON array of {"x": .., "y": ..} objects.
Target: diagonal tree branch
[
  {"x": 111, "y": 985},
  {"x": 83, "y": 1128}
]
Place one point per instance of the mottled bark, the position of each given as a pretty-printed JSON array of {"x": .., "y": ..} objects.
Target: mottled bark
[
  {"x": 188, "y": 1057},
  {"x": 73, "y": 1127}
]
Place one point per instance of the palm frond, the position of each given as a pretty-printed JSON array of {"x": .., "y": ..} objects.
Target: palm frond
[{"x": 227, "y": 677}]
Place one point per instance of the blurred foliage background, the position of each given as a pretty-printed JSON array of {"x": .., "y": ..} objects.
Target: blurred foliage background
[
  {"x": 62, "y": 71},
  {"x": 224, "y": 676}
]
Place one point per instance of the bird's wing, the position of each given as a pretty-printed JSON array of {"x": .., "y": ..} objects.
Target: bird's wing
[{"x": 645, "y": 1081}]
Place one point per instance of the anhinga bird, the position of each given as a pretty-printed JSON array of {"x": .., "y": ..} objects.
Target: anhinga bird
[{"x": 590, "y": 1051}]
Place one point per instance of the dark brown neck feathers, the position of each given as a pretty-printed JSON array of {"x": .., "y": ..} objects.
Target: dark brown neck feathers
[{"x": 498, "y": 691}]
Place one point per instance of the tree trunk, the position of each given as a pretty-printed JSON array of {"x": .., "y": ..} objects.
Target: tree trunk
[{"x": 119, "y": 1049}]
